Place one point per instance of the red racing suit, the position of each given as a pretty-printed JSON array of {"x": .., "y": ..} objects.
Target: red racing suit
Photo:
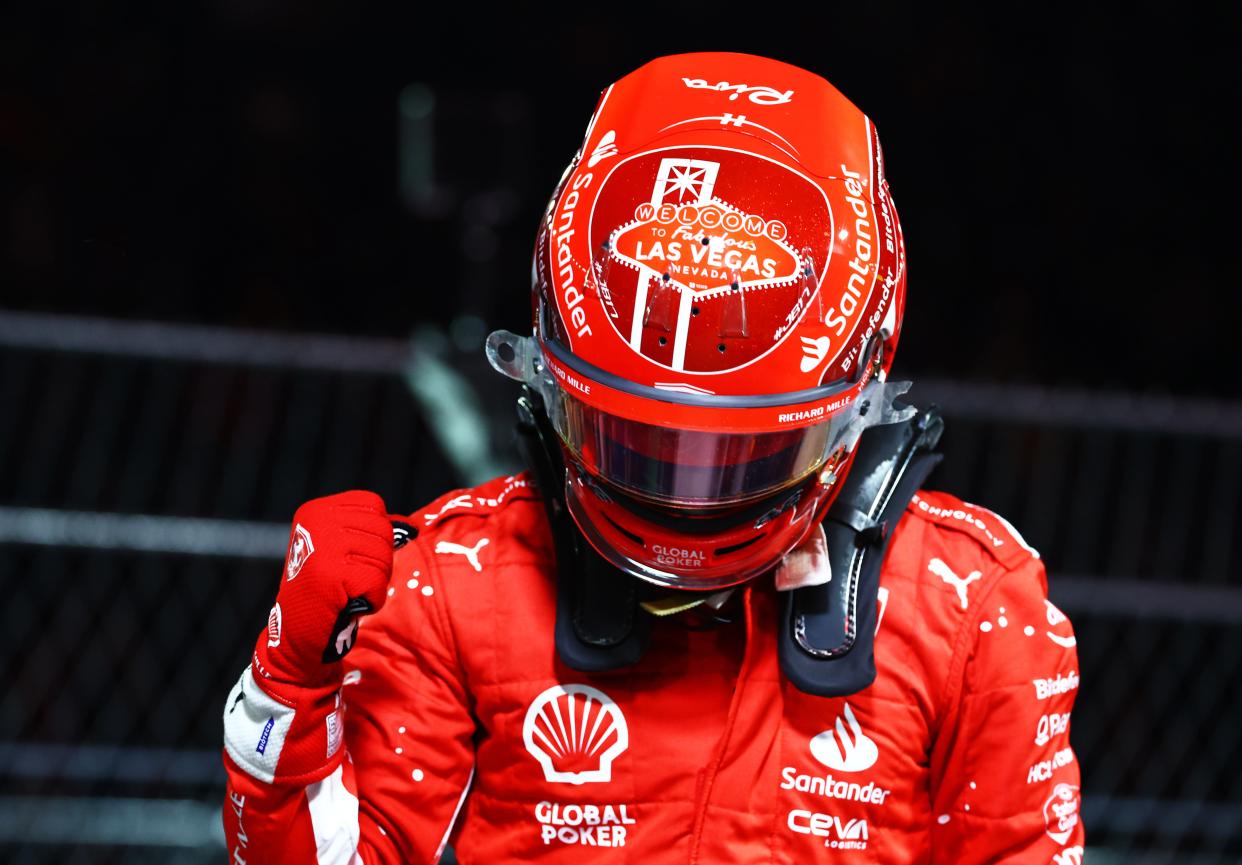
[{"x": 461, "y": 725}]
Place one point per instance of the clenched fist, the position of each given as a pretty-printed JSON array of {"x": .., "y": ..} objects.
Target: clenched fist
[
  {"x": 282, "y": 719},
  {"x": 336, "y": 571}
]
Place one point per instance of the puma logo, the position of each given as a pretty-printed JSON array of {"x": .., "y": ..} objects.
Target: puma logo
[
  {"x": 241, "y": 695},
  {"x": 945, "y": 573},
  {"x": 471, "y": 553}
]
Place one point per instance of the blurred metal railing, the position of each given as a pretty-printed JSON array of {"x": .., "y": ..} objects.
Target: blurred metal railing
[
  {"x": 147, "y": 473},
  {"x": 1008, "y": 403}
]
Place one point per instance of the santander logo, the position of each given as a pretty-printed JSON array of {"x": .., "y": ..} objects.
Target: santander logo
[
  {"x": 845, "y": 750},
  {"x": 575, "y": 732}
]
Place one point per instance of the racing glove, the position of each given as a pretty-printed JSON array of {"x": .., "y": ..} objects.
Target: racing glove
[{"x": 282, "y": 721}]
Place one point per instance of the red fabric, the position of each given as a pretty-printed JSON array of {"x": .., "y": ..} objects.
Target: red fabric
[
  {"x": 265, "y": 823},
  {"x": 958, "y": 753},
  {"x": 340, "y": 548}
]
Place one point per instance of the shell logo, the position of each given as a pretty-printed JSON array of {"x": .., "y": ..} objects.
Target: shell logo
[
  {"x": 575, "y": 732},
  {"x": 852, "y": 751}
]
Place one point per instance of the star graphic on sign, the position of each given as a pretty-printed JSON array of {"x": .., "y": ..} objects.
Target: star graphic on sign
[{"x": 686, "y": 182}]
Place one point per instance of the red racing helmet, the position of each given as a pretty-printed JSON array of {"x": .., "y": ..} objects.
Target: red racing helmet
[{"x": 718, "y": 286}]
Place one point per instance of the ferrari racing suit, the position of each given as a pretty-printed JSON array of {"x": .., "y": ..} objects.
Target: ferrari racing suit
[{"x": 459, "y": 724}]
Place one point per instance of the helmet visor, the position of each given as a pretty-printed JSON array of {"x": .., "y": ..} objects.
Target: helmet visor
[
  {"x": 690, "y": 468},
  {"x": 683, "y": 467}
]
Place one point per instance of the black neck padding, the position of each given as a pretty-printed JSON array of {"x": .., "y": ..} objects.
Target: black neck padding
[{"x": 827, "y": 632}]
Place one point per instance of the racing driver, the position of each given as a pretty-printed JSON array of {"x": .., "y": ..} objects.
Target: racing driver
[{"x": 716, "y": 619}]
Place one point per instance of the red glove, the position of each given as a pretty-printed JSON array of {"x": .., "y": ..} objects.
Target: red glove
[
  {"x": 337, "y": 569},
  {"x": 282, "y": 720}
]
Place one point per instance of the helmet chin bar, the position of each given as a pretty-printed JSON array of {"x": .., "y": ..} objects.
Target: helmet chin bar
[{"x": 685, "y": 552}]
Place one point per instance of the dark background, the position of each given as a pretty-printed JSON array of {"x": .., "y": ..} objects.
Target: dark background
[
  {"x": 1063, "y": 175},
  {"x": 246, "y": 174}
]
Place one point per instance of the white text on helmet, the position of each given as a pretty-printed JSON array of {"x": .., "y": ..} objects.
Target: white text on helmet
[
  {"x": 684, "y": 558},
  {"x": 861, "y": 262},
  {"x": 569, "y": 379},
  {"x": 817, "y": 412},
  {"x": 758, "y": 94},
  {"x": 872, "y": 323},
  {"x": 564, "y": 230}
]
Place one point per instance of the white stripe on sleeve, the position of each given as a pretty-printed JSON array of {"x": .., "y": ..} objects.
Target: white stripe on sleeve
[{"x": 334, "y": 817}]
